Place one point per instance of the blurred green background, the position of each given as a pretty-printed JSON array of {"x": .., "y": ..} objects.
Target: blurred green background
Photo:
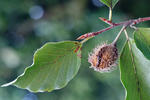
[{"x": 26, "y": 25}]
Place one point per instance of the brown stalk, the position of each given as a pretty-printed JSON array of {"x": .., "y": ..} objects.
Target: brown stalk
[{"x": 112, "y": 25}]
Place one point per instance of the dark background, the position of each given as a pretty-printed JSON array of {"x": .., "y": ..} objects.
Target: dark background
[{"x": 26, "y": 25}]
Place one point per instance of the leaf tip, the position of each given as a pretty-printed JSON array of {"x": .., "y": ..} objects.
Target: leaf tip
[{"x": 8, "y": 84}]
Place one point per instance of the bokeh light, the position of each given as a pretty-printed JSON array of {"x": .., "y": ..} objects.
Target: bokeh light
[{"x": 36, "y": 12}]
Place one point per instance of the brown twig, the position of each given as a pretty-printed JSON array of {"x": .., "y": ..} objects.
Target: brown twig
[{"x": 112, "y": 25}]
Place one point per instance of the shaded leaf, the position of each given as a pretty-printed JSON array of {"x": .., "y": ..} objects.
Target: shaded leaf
[
  {"x": 54, "y": 65},
  {"x": 135, "y": 73},
  {"x": 110, "y": 3},
  {"x": 142, "y": 40}
]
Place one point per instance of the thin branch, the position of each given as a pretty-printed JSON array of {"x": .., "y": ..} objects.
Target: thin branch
[
  {"x": 92, "y": 34},
  {"x": 106, "y": 21},
  {"x": 126, "y": 23}
]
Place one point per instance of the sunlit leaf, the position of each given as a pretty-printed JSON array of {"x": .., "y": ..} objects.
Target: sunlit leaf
[
  {"x": 135, "y": 73},
  {"x": 142, "y": 40},
  {"x": 54, "y": 65},
  {"x": 110, "y": 3}
]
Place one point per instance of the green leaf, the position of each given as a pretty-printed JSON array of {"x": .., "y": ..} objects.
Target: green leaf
[
  {"x": 135, "y": 73},
  {"x": 109, "y": 3},
  {"x": 54, "y": 65},
  {"x": 142, "y": 40}
]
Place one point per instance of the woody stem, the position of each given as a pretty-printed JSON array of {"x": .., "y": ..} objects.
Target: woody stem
[
  {"x": 128, "y": 23},
  {"x": 117, "y": 37},
  {"x": 110, "y": 14}
]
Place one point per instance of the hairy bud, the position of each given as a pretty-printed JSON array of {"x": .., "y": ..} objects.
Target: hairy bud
[{"x": 103, "y": 58}]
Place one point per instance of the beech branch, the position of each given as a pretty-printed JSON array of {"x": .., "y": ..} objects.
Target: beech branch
[{"x": 112, "y": 25}]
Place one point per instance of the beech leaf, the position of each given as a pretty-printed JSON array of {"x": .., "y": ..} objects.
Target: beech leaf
[
  {"x": 142, "y": 40},
  {"x": 54, "y": 65},
  {"x": 135, "y": 73},
  {"x": 109, "y": 3}
]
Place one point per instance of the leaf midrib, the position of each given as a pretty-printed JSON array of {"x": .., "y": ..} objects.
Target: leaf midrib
[
  {"x": 71, "y": 50},
  {"x": 135, "y": 70}
]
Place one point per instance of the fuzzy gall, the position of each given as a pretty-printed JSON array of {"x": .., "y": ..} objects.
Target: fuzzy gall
[{"x": 103, "y": 58}]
